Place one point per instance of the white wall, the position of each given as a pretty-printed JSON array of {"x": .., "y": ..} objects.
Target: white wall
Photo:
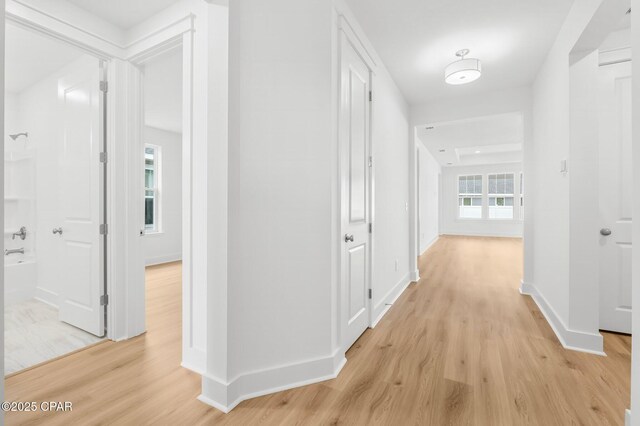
[
  {"x": 452, "y": 225},
  {"x": 283, "y": 180},
  {"x": 391, "y": 217},
  {"x": 166, "y": 245},
  {"x": 162, "y": 88},
  {"x": 429, "y": 179},
  {"x": 280, "y": 165},
  {"x": 163, "y": 91},
  {"x": 563, "y": 249},
  {"x": 2, "y": 131},
  {"x": 635, "y": 353}
]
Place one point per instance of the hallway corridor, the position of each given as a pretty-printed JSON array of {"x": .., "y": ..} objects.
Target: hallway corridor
[{"x": 461, "y": 347}]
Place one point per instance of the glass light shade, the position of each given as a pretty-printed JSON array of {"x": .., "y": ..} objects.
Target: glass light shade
[{"x": 463, "y": 71}]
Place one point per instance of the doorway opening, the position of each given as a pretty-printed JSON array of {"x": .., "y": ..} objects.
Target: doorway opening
[
  {"x": 161, "y": 151},
  {"x": 615, "y": 190},
  {"x": 54, "y": 297}
]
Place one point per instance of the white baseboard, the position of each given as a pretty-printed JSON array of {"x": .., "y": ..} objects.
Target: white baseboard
[
  {"x": 381, "y": 308},
  {"x": 47, "y": 296},
  {"x": 226, "y": 395},
  {"x": 17, "y": 296},
  {"x": 414, "y": 276},
  {"x": 484, "y": 234},
  {"x": 158, "y": 260},
  {"x": 570, "y": 339},
  {"x": 429, "y": 244},
  {"x": 627, "y": 417}
]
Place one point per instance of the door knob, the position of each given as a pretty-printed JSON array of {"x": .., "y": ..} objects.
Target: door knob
[
  {"x": 348, "y": 237},
  {"x": 605, "y": 231},
  {"x": 57, "y": 231}
]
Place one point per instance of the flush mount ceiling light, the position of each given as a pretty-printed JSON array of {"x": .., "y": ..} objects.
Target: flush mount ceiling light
[{"x": 464, "y": 70}]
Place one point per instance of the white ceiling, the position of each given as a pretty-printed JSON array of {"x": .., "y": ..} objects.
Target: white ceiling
[
  {"x": 483, "y": 140},
  {"x": 123, "y": 13},
  {"x": 163, "y": 92},
  {"x": 416, "y": 39},
  {"x": 30, "y": 57}
]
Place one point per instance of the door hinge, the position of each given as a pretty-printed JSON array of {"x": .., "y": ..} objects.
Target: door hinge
[
  {"x": 370, "y": 161},
  {"x": 104, "y": 86},
  {"x": 370, "y": 96},
  {"x": 104, "y": 157},
  {"x": 371, "y": 228},
  {"x": 104, "y": 300},
  {"x": 370, "y": 293},
  {"x": 104, "y": 229}
]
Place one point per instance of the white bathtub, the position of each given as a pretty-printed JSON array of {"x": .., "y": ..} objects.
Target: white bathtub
[{"x": 19, "y": 278}]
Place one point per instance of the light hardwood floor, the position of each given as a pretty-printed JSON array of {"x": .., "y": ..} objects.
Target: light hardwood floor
[{"x": 460, "y": 347}]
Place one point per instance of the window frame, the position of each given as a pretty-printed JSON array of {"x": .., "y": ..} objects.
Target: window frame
[
  {"x": 521, "y": 199},
  {"x": 156, "y": 228},
  {"x": 480, "y": 195},
  {"x": 513, "y": 206}
]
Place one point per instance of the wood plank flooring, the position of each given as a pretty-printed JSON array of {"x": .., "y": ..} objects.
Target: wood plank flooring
[{"x": 461, "y": 347}]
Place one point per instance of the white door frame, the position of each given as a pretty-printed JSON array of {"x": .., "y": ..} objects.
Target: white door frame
[
  {"x": 346, "y": 30},
  {"x": 125, "y": 311},
  {"x": 184, "y": 42},
  {"x": 106, "y": 139}
]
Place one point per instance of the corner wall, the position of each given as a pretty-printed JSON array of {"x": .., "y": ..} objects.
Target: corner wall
[
  {"x": 282, "y": 215},
  {"x": 429, "y": 186},
  {"x": 565, "y": 256},
  {"x": 390, "y": 134}
]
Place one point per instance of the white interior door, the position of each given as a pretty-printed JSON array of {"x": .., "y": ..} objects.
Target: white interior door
[
  {"x": 615, "y": 195},
  {"x": 355, "y": 181},
  {"x": 81, "y": 198}
]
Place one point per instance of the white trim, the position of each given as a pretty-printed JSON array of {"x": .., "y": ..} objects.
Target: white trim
[
  {"x": 61, "y": 29},
  {"x": 483, "y": 234},
  {"x": 226, "y": 395},
  {"x": 414, "y": 276},
  {"x": 627, "y": 417},
  {"x": 429, "y": 245},
  {"x": 346, "y": 31},
  {"x": 137, "y": 48},
  {"x": 570, "y": 339},
  {"x": 159, "y": 260},
  {"x": 47, "y": 296},
  {"x": 614, "y": 56},
  {"x": 381, "y": 308}
]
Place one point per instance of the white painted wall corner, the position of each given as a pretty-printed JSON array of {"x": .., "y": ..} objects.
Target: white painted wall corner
[
  {"x": 226, "y": 395},
  {"x": 570, "y": 339}
]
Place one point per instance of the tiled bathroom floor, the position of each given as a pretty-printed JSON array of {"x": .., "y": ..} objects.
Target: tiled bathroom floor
[{"x": 33, "y": 334}]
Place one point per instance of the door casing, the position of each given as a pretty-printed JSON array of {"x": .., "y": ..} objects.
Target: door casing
[{"x": 346, "y": 33}]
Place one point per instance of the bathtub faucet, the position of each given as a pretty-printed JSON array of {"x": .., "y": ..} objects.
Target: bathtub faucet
[
  {"x": 7, "y": 252},
  {"x": 22, "y": 233}
]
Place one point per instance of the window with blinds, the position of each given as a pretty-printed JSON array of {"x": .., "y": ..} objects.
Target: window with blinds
[
  {"x": 470, "y": 197},
  {"x": 500, "y": 193}
]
